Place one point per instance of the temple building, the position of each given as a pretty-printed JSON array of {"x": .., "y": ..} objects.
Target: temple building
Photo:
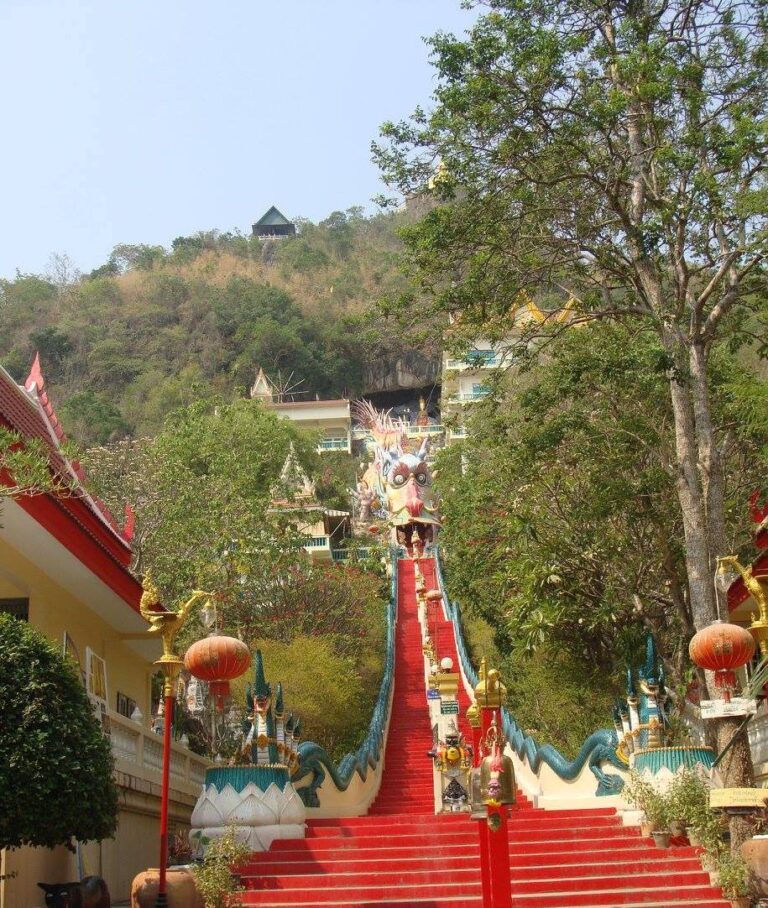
[
  {"x": 64, "y": 567},
  {"x": 468, "y": 378},
  {"x": 331, "y": 418},
  {"x": 323, "y": 528},
  {"x": 273, "y": 224}
]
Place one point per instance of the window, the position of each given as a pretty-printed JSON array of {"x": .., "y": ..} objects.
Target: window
[
  {"x": 125, "y": 705},
  {"x": 19, "y": 608}
]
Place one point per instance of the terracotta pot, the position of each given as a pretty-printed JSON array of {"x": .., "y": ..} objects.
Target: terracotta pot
[
  {"x": 677, "y": 828},
  {"x": 693, "y": 837},
  {"x": 661, "y": 837},
  {"x": 646, "y": 828},
  {"x": 755, "y": 853},
  {"x": 180, "y": 886}
]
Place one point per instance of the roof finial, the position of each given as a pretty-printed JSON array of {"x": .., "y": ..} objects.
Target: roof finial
[{"x": 35, "y": 380}]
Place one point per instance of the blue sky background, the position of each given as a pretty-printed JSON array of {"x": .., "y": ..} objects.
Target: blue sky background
[{"x": 136, "y": 121}]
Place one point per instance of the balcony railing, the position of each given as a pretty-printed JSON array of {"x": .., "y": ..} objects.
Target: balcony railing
[
  {"x": 334, "y": 444},
  {"x": 478, "y": 359},
  {"x": 346, "y": 554},
  {"x": 474, "y": 394},
  {"x": 316, "y": 542},
  {"x": 139, "y": 752},
  {"x": 419, "y": 431}
]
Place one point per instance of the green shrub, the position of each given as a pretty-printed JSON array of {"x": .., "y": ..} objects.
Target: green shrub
[
  {"x": 214, "y": 878},
  {"x": 642, "y": 794},
  {"x": 55, "y": 763},
  {"x": 733, "y": 874}
]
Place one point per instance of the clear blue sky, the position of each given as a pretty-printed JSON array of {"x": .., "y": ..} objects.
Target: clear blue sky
[{"x": 136, "y": 121}]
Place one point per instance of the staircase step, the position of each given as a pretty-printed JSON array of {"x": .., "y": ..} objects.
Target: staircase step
[
  {"x": 403, "y": 856},
  {"x": 619, "y": 896},
  {"x": 387, "y": 876},
  {"x": 630, "y": 864}
]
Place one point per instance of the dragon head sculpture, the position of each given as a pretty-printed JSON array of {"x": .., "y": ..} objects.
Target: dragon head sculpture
[
  {"x": 402, "y": 480},
  {"x": 410, "y": 499}
]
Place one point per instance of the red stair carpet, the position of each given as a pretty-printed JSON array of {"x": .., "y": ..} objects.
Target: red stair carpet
[{"x": 401, "y": 854}]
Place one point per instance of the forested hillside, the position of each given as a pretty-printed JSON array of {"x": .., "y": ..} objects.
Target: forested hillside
[{"x": 154, "y": 328}]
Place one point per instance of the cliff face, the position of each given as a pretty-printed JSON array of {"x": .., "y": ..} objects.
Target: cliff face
[{"x": 403, "y": 371}]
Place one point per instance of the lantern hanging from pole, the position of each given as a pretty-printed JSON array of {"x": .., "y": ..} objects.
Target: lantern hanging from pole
[
  {"x": 218, "y": 660},
  {"x": 722, "y": 647}
]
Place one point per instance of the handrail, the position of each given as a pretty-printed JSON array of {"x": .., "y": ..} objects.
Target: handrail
[
  {"x": 598, "y": 748},
  {"x": 315, "y": 761}
]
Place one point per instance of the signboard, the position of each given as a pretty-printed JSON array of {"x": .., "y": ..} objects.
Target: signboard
[
  {"x": 433, "y": 694},
  {"x": 449, "y": 708},
  {"x": 718, "y": 709},
  {"x": 754, "y": 798}
]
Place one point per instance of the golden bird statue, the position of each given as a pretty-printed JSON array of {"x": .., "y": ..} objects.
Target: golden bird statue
[{"x": 164, "y": 622}]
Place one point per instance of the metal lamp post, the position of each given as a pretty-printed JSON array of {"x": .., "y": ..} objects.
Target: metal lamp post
[{"x": 167, "y": 625}]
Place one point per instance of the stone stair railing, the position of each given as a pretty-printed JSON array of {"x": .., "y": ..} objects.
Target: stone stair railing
[
  {"x": 348, "y": 788},
  {"x": 545, "y": 775}
]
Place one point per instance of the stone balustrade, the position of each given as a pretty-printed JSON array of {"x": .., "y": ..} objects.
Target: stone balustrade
[{"x": 138, "y": 754}]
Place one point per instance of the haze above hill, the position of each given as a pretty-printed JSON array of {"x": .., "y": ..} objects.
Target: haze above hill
[{"x": 134, "y": 123}]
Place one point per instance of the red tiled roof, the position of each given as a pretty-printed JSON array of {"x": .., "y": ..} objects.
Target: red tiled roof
[{"x": 28, "y": 411}]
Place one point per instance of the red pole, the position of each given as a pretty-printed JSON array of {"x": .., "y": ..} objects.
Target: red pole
[
  {"x": 170, "y": 701},
  {"x": 494, "y": 842}
]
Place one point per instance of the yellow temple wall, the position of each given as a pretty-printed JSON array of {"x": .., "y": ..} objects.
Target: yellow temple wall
[{"x": 54, "y": 610}]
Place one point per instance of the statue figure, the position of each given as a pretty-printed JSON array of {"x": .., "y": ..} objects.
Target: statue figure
[
  {"x": 403, "y": 481},
  {"x": 366, "y": 499},
  {"x": 162, "y": 621},
  {"x": 254, "y": 793},
  {"x": 757, "y": 586}
]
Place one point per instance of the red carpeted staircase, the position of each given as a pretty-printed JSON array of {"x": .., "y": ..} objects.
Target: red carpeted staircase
[{"x": 401, "y": 854}]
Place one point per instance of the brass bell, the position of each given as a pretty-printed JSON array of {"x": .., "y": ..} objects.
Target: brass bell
[{"x": 484, "y": 788}]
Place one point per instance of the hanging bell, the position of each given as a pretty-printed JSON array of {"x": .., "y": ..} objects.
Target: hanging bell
[{"x": 493, "y": 780}]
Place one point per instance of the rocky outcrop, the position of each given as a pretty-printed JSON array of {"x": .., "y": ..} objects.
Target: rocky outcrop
[{"x": 403, "y": 371}]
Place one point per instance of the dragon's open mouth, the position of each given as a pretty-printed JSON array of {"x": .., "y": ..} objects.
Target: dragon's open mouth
[{"x": 421, "y": 530}]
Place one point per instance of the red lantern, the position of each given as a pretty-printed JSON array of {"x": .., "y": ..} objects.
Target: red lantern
[
  {"x": 721, "y": 648},
  {"x": 218, "y": 660}
]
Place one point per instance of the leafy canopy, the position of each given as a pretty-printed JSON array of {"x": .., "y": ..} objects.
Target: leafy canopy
[{"x": 55, "y": 763}]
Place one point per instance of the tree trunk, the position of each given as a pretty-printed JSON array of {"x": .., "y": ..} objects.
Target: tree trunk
[
  {"x": 710, "y": 461},
  {"x": 689, "y": 490},
  {"x": 700, "y": 492},
  {"x": 737, "y": 772}
]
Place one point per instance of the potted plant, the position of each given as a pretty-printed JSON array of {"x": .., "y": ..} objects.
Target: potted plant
[
  {"x": 640, "y": 793},
  {"x": 657, "y": 811},
  {"x": 215, "y": 881},
  {"x": 689, "y": 805},
  {"x": 734, "y": 878},
  {"x": 179, "y": 850}
]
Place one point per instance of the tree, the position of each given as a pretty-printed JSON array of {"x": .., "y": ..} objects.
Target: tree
[
  {"x": 55, "y": 763},
  {"x": 25, "y": 467},
  {"x": 562, "y": 528},
  {"x": 93, "y": 418},
  {"x": 53, "y": 346},
  {"x": 614, "y": 152},
  {"x": 197, "y": 488}
]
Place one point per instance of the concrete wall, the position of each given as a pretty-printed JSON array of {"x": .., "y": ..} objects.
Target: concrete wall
[{"x": 55, "y": 609}]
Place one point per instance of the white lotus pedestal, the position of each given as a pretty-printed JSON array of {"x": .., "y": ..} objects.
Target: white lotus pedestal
[{"x": 258, "y": 801}]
